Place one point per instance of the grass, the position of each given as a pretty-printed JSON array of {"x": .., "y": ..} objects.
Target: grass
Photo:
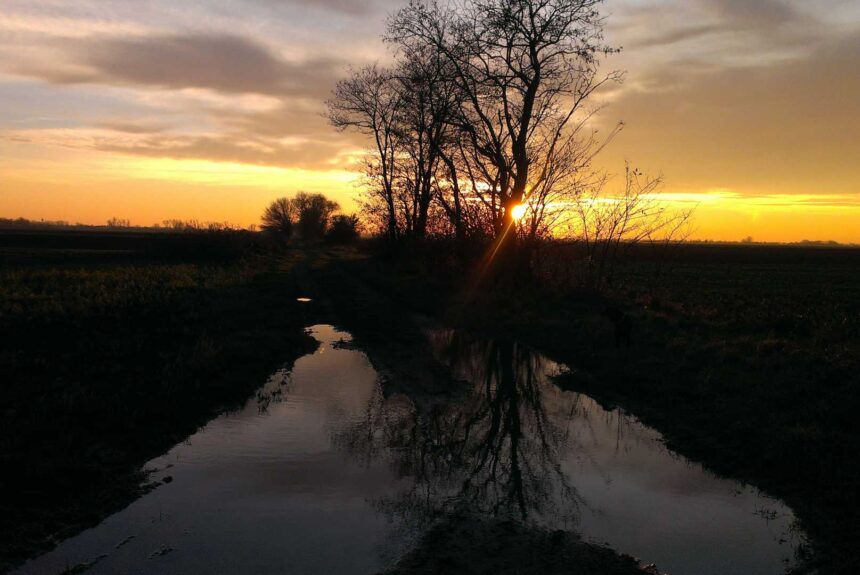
[
  {"x": 761, "y": 360},
  {"x": 747, "y": 361},
  {"x": 108, "y": 361}
]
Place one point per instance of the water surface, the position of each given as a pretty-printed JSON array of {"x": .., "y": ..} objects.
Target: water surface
[{"x": 323, "y": 471}]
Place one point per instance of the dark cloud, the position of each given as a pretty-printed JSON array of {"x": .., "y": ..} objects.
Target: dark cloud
[
  {"x": 765, "y": 24},
  {"x": 753, "y": 13},
  {"x": 223, "y": 63}
]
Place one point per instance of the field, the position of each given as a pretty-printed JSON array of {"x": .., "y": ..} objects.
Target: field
[
  {"x": 115, "y": 347},
  {"x": 745, "y": 357},
  {"x": 111, "y": 352},
  {"x": 764, "y": 349}
]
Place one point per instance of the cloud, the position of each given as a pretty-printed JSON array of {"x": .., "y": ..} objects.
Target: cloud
[
  {"x": 219, "y": 62},
  {"x": 348, "y": 7},
  {"x": 308, "y": 150},
  {"x": 788, "y": 126},
  {"x": 132, "y": 127},
  {"x": 677, "y": 35},
  {"x": 318, "y": 155},
  {"x": 740, "y": 90},
  {"x": 721, "y": 32},
  {"x": 753, "y": 13}
]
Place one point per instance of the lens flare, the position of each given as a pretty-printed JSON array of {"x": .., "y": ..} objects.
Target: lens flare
[{"x": 518, "y": 211}]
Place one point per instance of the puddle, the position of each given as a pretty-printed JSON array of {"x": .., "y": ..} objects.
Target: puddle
[{"x": 320, "y": 472}]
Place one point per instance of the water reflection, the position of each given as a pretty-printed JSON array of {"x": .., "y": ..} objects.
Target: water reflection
[
  {"x": 494, "y": 450},
  {"x": 323, "y": 471},
  {"x": 513, "y": 445}
]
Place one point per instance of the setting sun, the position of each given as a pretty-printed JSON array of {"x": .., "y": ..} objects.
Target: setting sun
[{"x": 519, "y": 211}]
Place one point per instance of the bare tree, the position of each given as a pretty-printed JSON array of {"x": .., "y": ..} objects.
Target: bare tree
[
  {"x": 308, "y": 214},
  {"x": 483, "y": 128},
  {"x": 119, "y": 223},
  {"x": 313, "y": 213},
  {"x": 368, "y": 102},
  {"x": 606, "y": 224},
  {"x": 524, "y": 69},
  {"x": 406, "y": 110},
  {"x": 427, "y": 104},
  {"x": 567, "y": 175},
  {"x": 279, "y": 217},
  {"x": 483, "y": 111}
]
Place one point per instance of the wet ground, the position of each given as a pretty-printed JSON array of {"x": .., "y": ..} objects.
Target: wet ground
[{"x": 326, "y": 471}]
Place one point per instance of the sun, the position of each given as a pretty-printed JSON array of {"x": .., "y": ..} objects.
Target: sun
[{"x": 518, "y": 211}]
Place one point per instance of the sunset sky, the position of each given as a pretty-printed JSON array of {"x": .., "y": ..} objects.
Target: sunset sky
[{"x": 158, "y": 109}]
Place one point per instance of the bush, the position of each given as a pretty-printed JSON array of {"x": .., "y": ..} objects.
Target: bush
[{"x": 343, "y": 229}]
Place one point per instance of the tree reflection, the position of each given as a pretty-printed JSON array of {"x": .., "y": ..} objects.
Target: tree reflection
[{"x": 492, "y": 451}]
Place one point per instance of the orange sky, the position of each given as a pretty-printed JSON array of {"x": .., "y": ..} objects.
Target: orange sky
[{"x": 750, "y": 110}]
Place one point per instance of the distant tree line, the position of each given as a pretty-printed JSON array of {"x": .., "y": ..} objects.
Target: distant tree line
[
  {"x": 193, "y": 225},
  {"x": 171, "y": 225},
  {"x": 25, "y": 224}
]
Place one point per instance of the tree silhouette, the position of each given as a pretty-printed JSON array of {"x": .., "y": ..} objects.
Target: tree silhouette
[
  {"x": 494, "y": 452},
  {"x": 278, "y": 217},
  {"x": 314, "y": 212},
  {"x": 306, "y": 214}
]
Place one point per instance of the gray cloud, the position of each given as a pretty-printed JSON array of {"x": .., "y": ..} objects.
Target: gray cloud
[
  {"x": 238, "y": 148},
  {"x": 292, "y": 135},
  {"x": 722, "y": 28},
  {"x": 132, "y": 127},
  {"x": 753, "y": 13},
  {"x": 223, "y": 63},
  {"x": 348, "y": 7},
  {"x": 677, "y": 35}
]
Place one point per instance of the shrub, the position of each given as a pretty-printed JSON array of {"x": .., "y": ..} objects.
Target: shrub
[{"x": 343, "y": 229}]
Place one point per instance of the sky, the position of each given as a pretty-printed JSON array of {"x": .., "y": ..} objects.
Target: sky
[{"x": 157, "y": 109}]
